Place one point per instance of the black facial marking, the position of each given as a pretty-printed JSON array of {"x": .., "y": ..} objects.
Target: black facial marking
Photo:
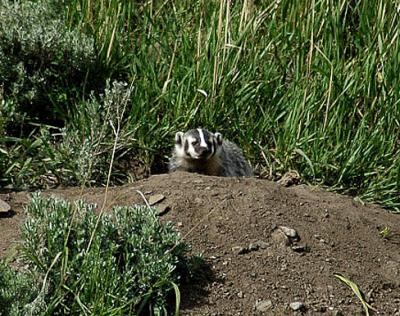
[
  {"x": 186, "y": 146},
  {"x": 214, "y": 145}
]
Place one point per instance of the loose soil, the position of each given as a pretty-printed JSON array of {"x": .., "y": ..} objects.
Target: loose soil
[{"x": 255, "y": 268}]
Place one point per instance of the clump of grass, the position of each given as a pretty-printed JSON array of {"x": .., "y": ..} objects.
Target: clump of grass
[
  {"x": 309, "y": 86},
  {"x": 126, "y": 264},
  {"x": 385, "y": 232}
]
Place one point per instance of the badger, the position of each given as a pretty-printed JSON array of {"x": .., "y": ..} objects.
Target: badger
[{"x": 201, "y": 151}]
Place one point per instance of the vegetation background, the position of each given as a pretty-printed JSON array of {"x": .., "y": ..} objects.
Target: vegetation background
[{"x": 308, "y": 85}]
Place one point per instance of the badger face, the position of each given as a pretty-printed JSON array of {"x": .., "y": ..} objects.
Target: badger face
[{"x": 197, "y": 144}]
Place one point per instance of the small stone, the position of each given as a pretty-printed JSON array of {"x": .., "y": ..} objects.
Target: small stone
[
  {"x": 162, "y": 209},
  {"x": 156, "y": 198},
  {"x": 300, "y": 248},
  {"x": 280, "y": 238},
  {"x": 240, "y": 294},
  {"x": 239, "y": 250},
  {"x": 290, "y": 232},
  {"x": 253, "y": 246},
  {"x": 262, "y": 244},
  {"x": 264, "y": 305},
  {"x": 179, "y": 224},
  {"x": 368, "y": 296},
  {"x": 4, "y": 207},
  {"x": 297, "y": 306}
]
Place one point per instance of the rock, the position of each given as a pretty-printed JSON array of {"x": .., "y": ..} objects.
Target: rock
[
  {"x": 156, "y": 198},
  {"x": 290, "y": 232},
  {"x": 390, "y": 271},
  {"x": 4, "y": 207},
  {"x": 297, "y": 306},
  {"x": 280, "y": 238},
  {"x": 262, "y": 244},
  {"x": 301, "y": 248},
  {"x": 238, "y": 250},
  {"x": 162, "y": 209},
  {"x": 254, "y": 246},
  {"x": 240, "y": 294},
  {"x": 264, "y": 305}
]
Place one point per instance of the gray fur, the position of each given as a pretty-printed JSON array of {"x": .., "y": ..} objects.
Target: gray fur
[{"x": 226, "y": 159}]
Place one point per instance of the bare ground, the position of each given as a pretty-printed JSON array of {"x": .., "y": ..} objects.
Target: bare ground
[{"x": 256, "y": 268}]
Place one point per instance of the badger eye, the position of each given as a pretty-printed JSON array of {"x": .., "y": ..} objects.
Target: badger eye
[{"x": 195, "y": 142}]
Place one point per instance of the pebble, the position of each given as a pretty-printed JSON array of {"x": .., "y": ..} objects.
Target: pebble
[
  {"x": 238, "y": 250},
  {"x": 301, "y": 248},
  {"x": 264, "y": 305},
  {"x": 198, "y": 200},
  {"x": 290, "y": 232},
  {"x": 162, "y": 209},
  {"x": 297, "y": 306},
  {"x": 280, "y": 238},
  {"x": 262, "y": 244},
  {"x": 156, "y": 198},
  {"x": 4, "y": 207},
  {"x": 254, "y": 246}
]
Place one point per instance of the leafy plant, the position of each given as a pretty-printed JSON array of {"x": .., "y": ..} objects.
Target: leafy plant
[
  {"x": 17, "y": 289},
  {"x": 42, "y": 64},
  {"x": 124, "y": 265},
  {"x": 385, "y": 232}
]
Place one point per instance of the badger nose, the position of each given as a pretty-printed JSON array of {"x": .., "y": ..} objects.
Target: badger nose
[{"x": 203, "y": 151}]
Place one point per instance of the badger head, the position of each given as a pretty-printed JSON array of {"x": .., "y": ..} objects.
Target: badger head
[{"x": 197, "y": 144}]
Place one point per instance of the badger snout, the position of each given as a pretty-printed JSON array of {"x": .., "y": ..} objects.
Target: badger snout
[{"x": 203, "y": 152}]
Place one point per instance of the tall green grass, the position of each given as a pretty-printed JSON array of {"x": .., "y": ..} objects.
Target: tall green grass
[{"x": 307, "y": 85}]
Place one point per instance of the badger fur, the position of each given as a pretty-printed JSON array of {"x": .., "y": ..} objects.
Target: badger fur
[{"x": 201, "y": 151}]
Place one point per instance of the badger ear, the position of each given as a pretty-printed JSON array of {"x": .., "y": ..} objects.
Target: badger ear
[
  {"x": 178, "y": 138},
  {"x": 218, "y": 137}
]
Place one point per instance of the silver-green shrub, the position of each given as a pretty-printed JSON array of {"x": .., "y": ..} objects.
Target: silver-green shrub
[
  {"x": 121, "y": 263},
  {"x": 42, "y": 62}
]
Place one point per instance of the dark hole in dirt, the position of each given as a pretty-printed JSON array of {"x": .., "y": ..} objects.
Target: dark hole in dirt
[{"x": 160, "y": 164}]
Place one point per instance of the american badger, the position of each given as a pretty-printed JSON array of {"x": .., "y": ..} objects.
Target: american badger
[{"x": 200, "y": 151}]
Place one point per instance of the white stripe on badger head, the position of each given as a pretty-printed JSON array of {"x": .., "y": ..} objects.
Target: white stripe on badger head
[{"x": 202, "y": 139}]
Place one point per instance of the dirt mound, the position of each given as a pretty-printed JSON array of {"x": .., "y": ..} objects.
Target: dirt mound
[{"x": 271, "y": 249}]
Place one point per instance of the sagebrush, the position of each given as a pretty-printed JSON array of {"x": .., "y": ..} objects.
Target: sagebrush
[{"x": 122, "y": 263}]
